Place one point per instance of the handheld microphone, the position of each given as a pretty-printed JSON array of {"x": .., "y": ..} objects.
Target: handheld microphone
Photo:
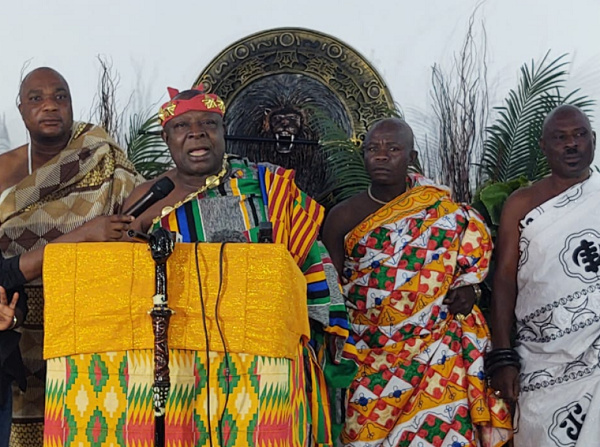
[{"x": 158, "y": 191}]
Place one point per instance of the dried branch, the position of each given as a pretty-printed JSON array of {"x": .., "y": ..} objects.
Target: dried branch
[
  {"x": 24, "y": 71},
  {"x": 460, "y": 103},
  {"x": 104, "y": 109}
]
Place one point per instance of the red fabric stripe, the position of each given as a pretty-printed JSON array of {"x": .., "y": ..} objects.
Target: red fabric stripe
[
  {"x": 315, "y": 268},
  {"x": 300, "y": 227}
]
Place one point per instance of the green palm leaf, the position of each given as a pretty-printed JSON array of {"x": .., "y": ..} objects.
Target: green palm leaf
[
  {"x": 145, "y": 147},
  {"x": 346, "y": 174},
  {"x": 511, "y": 148}
]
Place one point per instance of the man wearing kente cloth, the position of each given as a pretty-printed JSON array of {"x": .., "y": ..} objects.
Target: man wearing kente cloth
[
  {"x": 411, "y": 260},
  {"x": 547, "y": 278},
  {"x": 219, "y": 198},
  {"x": 68, "y": 175}
]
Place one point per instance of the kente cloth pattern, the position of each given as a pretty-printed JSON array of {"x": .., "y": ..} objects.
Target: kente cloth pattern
[
  {"x": 94, "y": 304},
  {"x": 255, "y": 193},
  {"x": 106, "y": 399},
  {"x": 420, "y": 380},
  {"x": 90, "y": 177},
  {"x": 262, "y": 192},
  {"x": 558, "y": 320}
]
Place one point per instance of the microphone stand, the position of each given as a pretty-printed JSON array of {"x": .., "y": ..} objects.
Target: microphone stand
[{"x": 162, "y": 243}]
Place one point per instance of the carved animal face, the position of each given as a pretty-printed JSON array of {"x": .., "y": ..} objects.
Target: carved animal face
[
  {"x": 285, "y": 125},
  {"x": 284, "y": 107}
]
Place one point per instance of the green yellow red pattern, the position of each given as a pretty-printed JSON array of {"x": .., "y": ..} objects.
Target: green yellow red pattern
[
  {"x": 420, "y": 379},
  {"x": 106, "y": 399},
  {"x": 265, "y": 192},
  {"x": 260, "y": 192}
]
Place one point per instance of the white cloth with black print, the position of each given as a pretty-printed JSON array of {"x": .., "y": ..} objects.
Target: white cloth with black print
[{"x": 558, "y": 320}]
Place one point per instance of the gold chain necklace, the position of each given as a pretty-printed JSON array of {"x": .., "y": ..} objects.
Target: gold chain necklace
[
  {"x": 381, "y": 202},
  {"x": 211, "y": 181}
]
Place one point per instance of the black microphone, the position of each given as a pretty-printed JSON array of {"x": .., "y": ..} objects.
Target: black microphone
[
  {"x": 265, "y": 232},
  {"x": 158, "y": 191}
]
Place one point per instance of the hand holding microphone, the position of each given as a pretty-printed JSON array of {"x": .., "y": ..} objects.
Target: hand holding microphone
[
  {"x": 112, "y": 228},
  {"x": 158, "y": 191}
]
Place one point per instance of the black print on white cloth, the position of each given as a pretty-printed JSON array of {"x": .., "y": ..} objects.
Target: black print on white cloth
[
  {"x": 580, "y": 256},
  {"x": 542, "y": 327},
  {"x": 539, "y": 328},
  {"x": 523, "y": 251},
  {"x": 574, "y": 371},
  {"x": 577, "y": 367},
  {"x": 567, "y": 422},
  {"x": 570, "y": 196},
  {"x": 531, "y": 216},
  {"x": 536, "y": 379}
]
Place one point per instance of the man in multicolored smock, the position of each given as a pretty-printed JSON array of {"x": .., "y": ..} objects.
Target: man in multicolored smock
[
  {"x": 547, "y": 279},
  {"x": 219, "y": 198},
  {"x": 411, "y": 260},
  {"x": 60, "y": 186}
]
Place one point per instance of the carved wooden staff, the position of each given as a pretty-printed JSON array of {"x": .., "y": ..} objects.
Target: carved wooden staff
[{"x": 162, "y": 243}]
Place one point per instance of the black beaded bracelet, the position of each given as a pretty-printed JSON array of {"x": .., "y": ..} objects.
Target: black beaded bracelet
[
  {"x": 502, "y": 352},
  {"x": 491, "y": 370},
  {"x": 499, "y": 358},
  {"x": 502, "y": 356}
]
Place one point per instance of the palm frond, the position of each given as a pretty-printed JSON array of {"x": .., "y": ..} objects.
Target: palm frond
[
  {"x": 346, "y": 174},
  {"x": 145, "y": 148},
  {"x": 511, "y": 148}
]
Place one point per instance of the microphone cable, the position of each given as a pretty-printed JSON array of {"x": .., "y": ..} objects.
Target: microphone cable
[
  {"x": 227, "y": 366},
  {"x": 207, "y": 346}
]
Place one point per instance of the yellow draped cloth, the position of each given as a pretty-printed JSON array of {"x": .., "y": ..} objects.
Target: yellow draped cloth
[{"x": 99, "y": 344}]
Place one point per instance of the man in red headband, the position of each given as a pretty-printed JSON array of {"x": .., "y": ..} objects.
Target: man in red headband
[
  {"x": 194, "y": 131},
  {"x": 221, "y": 198}
]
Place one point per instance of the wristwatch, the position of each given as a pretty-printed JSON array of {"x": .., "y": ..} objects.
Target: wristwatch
[
  {"x": 14, "y": 323},
  {"x": 477, "y": 291}
]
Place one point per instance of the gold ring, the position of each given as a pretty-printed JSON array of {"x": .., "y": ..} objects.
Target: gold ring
[
  {"x": 497, "y": 393},
  {"x": 460, "y": 317}
]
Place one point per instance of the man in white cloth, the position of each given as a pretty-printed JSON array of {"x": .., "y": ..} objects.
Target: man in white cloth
[{"x": 548, "y": 278}]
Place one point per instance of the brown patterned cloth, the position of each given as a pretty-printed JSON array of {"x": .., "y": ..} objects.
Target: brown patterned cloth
[{"x": 90, "y": 177}]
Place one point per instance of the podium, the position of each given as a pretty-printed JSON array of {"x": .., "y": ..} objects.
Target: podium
[{"x": 99, "y": 346}]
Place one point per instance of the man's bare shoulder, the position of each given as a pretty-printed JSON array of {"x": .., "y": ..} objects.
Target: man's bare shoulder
[
  {"x": 142, "y": 188},
  {"x": 347, "y": 214},
  {"x": 144, "y": 220},
  {"x": 523, "y": 200},
  {"x": 17, "y": 154},
  {"x": 349, "y": 206},
  {"x": 13, "y": 165}
]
